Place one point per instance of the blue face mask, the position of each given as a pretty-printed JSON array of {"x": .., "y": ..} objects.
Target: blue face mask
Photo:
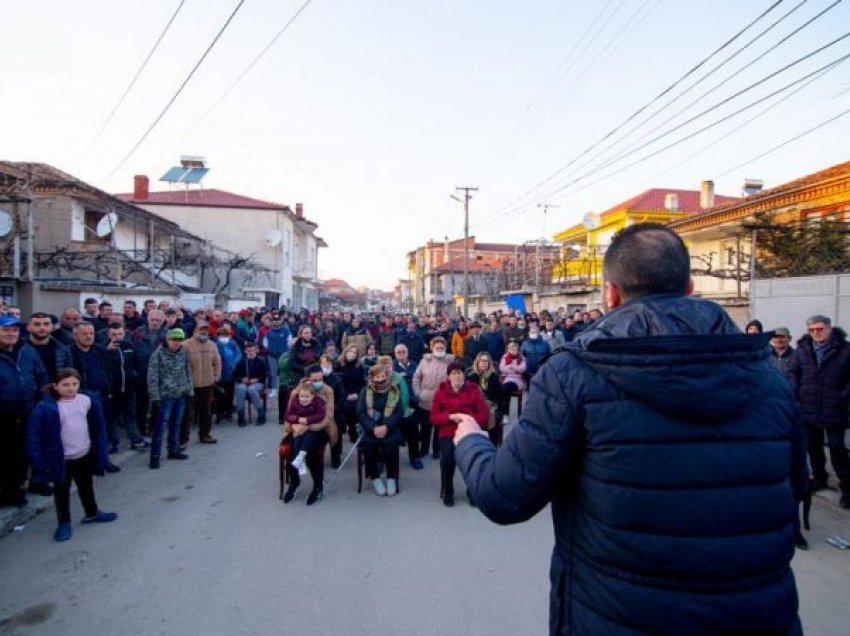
[{"x": 317, "y": 385}]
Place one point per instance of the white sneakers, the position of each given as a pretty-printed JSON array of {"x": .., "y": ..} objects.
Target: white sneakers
[
  {"x": 391, "y": 489},
  {"x": 272, "y": 394},
  {"x": 299, "y": 463}
]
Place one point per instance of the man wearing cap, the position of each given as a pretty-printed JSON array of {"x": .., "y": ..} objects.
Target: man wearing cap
[
  {"x": 784, "y": 355},
  {"x": 474, "y": 343},
  {"x": 21, "y": 377},
  {"x": 169, "y": 384},
  {"x": 205, "y": 361}
]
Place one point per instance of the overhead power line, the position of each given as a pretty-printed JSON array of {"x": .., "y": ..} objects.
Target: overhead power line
[
  {"x": 248, "y": 68},
  {"x": 639, "y": 111},
  {"x": 133, "y": 81},
  {"x": 179, "y": 90},
  {"x": 779, "y": 146}
]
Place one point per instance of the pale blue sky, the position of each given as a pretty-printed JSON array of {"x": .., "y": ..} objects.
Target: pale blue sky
[{"x": 371, "y": 112}]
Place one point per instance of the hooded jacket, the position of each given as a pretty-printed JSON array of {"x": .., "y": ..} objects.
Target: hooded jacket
[
  {"x": 671, "y": 451},
  {"x": 22, "y": 375},
  {"x": 430, "y": 372}
]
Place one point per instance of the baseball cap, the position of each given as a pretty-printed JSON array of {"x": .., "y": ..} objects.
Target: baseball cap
[
  {"x": 175, "y": 334},
  {"x": 782, "y": 331},
  {"x": 8, "y": 321}
]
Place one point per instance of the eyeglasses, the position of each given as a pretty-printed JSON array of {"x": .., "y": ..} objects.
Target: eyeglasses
[{"x": 816, "y": 329}]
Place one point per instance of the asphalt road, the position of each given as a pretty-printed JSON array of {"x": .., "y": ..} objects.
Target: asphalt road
[{"x": 205, "y": 547}]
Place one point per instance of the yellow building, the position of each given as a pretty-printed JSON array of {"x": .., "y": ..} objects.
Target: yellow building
[{"x": 584, "y": 244}]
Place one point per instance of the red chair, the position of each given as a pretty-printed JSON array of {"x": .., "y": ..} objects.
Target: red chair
[
  {"x": 248, "y": 405},
  {"x": 284, "y": 455}
]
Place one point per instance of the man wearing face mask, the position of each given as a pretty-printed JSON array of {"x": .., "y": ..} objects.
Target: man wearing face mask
[
  {"x": 413, "y": 342},
  {"x": 534, "y": 349},
  {"x": 205, "y": 361},
  {"x": 335, "y": 383},
  {"x": 231, "y": 355},
  {"x": 147, "y": 339}
]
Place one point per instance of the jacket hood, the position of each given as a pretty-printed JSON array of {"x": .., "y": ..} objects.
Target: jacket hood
[{"x": 679, "y": 355}]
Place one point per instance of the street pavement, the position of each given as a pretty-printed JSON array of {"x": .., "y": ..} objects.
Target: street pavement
[{"x": 204, "y": 546}]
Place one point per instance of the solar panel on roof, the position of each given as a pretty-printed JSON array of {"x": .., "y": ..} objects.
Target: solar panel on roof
[{"x": 179, "y": 174}]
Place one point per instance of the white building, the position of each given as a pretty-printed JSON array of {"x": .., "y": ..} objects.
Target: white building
[{"x": 283, "y": 242}]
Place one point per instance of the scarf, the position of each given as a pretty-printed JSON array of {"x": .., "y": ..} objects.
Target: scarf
[
  {"x": 509, "y": 358},
  {"x": 392, "y": 400}
]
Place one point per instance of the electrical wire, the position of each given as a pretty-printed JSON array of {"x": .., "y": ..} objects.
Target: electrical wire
[
  {"x": 247, "y": 69},
  {"x": 133, "y": 81},
  {"x": 639, "y": 111},
  {"x": 769, "y": 151},
  {"x": 177, "y": 93}
]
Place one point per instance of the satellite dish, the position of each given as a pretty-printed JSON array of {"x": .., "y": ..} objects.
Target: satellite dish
[
  {"x": 5, "y": 223},
  {"x": 591, "y": 220},
  {"x": 106, "y": 225},
  {"x": 273, "y": 238}
]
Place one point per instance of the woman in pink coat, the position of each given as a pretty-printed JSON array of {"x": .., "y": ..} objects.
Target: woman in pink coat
[{"x": 512, "y": 369}]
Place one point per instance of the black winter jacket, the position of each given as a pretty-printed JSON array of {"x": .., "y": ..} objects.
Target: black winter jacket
[
  {"x": 824, "y": 392},
  {"x": 670, "y": 449}
]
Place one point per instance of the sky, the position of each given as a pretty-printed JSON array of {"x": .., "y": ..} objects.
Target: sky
[{"x": 372, "y": 112}]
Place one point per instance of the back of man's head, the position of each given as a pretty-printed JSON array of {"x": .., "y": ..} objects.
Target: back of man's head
[{"x": 647, "y": 258}]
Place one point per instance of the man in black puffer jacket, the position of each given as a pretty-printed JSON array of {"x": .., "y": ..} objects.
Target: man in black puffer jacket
[
  {"x": 671, "y": 451},
  {"x": 822, "y": 374}
]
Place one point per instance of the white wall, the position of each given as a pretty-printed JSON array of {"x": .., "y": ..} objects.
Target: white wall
[{"x": 787, "y": 302}]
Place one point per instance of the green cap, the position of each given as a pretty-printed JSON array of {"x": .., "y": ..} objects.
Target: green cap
[{"x": 175, "y": 334}]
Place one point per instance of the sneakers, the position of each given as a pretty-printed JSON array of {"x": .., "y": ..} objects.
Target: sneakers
[
  {"x": 844, "y": 502},
  {"x": 177, "y": 455},
  {"x": 392, "y": 488},
  {"x": 379, "y": 487},
  {"x": 209, "y": 439},
  {"x": 314, "y": 496},
  {"x": 299, "y": 463},
  {"x": 101, "y": 517},
  {"x": 272, "y": 394},
  {"x": 40, "y": 488},
  {"x": 111, "y": 468},
  {"x": 141, "y": 445},
  {"x": 417, "y": 464},
  {"x": 261, "y": 417},
  {"x": 63, "y": 532},
  {"x": 154, "y": 463}
]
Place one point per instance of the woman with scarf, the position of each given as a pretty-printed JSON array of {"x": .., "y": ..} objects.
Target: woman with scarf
[
  {"x": 379, "y": 413},
  {"x": 370, "y": 359},
  {"x": 304, "y": 352},
  {"x": 512, "y": 369},
  {"x": 455, "y": 395},
  {"x": 431, "y": 371},
  {"x": 485, "y": 376}
]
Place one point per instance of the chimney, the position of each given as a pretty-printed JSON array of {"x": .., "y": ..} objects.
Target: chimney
[
  {"x": 706, "y": 195},
  {"x": 141, "y": 187},
  {"x": 299, "y": 210},
  {"x": 671, "y": 202}
]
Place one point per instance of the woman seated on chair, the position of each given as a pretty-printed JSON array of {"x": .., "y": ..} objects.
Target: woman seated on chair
[
  {"x": 325, "y": 433},
  {"x": 485, "y": 376},
  {"x": 455, "y": 395},
  {"x": 379, "y": 413}
]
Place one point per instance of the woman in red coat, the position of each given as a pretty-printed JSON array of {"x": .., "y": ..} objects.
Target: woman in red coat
[{"x": 454, "y": 395}]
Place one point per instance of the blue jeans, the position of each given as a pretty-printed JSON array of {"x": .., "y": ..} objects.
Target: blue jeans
[
  {"x": 170, "y": 411},
  {"x": 253, "y": 393},
  {"x": 273, "y": 362}
]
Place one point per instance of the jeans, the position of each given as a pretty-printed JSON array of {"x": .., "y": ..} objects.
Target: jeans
[
  {"x": 170, "y": 412},
  {"x": 272, "y": 363},
  {"x": 252, "y": 391},
  {"x": 123, "y": 411},
  {"x": 838, "y": 455},
  {"x": 80, "y": 472}
]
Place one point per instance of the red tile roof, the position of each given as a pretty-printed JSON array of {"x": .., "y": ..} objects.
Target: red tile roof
[
  {"x": 456, "y": 265},
  {"x": 833, "y": 172},
  {"x": 653, "y": 200},
  {"x": 202, "y": 198}
]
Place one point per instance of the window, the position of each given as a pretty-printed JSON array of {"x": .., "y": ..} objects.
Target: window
[{"x": 91, "y": 220}]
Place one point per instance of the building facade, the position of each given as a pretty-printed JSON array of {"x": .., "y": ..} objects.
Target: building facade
[{"x": 282, "y": 242}]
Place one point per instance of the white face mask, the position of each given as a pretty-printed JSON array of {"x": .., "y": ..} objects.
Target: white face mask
[
  {"x": 224, "y": 339},
  {"x": 534, "y": 335},
  {"x": 326, "y": 370},
  {"x": 439, "y": 353},
  {"x": 351, "y": 356}
]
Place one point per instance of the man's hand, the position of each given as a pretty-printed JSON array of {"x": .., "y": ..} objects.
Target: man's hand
[
  {"x": 113, "y": 344},
  {"x": 466, "y": 425},
  {"x": 246, "y": 381},
  {"x": 302, "y": 421},
  {"x": 380, "y": 431}
]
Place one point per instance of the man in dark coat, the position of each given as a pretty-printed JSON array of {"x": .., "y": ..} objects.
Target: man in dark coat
[
  {"x": 784, "y": 356},
  {"x": 823, "y": 381},
  {"x": 413, "y": 341},
  {"x": 642, "y": 436}
]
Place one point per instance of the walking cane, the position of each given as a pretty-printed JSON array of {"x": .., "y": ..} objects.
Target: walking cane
[{"x": 344, "y": 460}]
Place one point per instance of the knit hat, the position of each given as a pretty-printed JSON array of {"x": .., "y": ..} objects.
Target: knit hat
[{"x": 175, "y": 334}]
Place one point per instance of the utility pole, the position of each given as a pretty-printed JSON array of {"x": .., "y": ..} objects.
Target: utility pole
[
  {"x": 545, "y": 207},
  {"x": 465, "y": 200}
]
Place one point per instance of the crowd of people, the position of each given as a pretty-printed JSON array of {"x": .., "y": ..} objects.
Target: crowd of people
[
  {"x": 385, "y": 381},
  {"x": 79, "y": 386}
]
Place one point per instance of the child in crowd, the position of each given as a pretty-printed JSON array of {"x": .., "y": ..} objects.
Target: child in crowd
[
  {"x": 66, "y": 439},
  {"x": 306, "y": 410}
]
